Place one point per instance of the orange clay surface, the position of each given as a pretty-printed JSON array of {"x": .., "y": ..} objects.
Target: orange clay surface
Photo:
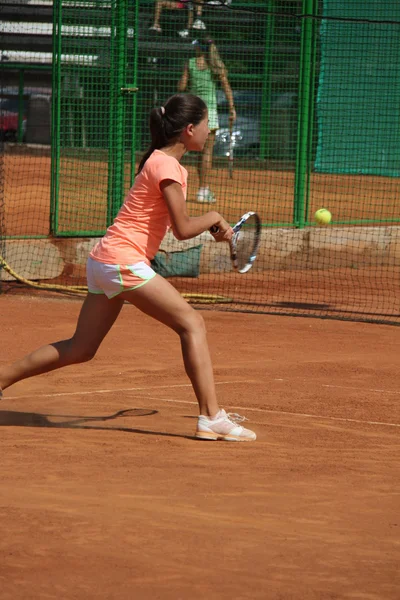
[
  {"x": 98, "y": 505},
  {"x": 83, "y": 195}
]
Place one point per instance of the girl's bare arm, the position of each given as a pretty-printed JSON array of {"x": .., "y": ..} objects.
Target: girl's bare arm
[
  {"x": 184, "y": 226},
  {"x": 229, "y": 96},
  {"x": 183, "y": 82}
]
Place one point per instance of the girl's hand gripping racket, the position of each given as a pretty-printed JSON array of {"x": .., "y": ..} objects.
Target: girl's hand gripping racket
[{"x": 245, "y": 241}]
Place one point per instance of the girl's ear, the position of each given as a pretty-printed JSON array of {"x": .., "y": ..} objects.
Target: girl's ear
[
  {"x": 189, "y": 129},
  {"x": 187, "y": 133}
]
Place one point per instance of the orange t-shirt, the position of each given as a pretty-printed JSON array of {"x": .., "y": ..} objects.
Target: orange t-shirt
[{"x": 143, "y": 220}]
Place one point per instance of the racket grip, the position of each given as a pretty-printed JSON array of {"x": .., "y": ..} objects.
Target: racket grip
[{"x": 214, "y": 229}]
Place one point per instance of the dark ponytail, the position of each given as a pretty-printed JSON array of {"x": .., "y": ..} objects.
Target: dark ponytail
[{"x": 167, "y": 122}]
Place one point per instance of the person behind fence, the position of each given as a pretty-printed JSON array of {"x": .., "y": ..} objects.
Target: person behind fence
[
  {"x": 118, "y": 267},
  {"x": 184, "y": 4},
  {"x": 200, "y": 75}
]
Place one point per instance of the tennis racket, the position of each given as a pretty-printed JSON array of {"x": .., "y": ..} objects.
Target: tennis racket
[
  {"x": 230, "y": 157},
  {"x": 245, "y": 241}
]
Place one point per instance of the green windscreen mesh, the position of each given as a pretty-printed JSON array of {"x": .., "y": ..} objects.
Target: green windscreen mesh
[
  {"x": 360, "y": 70},
  {"x": 315, "y": 89}
]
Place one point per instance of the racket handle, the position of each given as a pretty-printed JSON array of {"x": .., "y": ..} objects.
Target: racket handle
[{"x": 214, "y": 229}]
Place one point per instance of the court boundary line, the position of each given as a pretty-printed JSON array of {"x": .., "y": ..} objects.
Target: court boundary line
[
  {"x": 348, "y": 387},
  {"x": 114, "y": 390},
  {"x": 287, "y": 413},
  {"x": 189, "y": 385}
]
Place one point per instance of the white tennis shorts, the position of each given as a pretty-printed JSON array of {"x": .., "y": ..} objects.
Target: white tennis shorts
[{"x": 111, "y": 280}]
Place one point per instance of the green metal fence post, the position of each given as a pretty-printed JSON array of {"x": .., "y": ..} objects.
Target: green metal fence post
[
  {"x": 20, "y": 133},
  {"x": 266, "y": 86},
  {"x": 111, "y": 136},
  {"x": 311, "y": 107},
  {"x": 117, "y": 106},
  {"x": 55, "y": 116},
  {"x": 305, "y": 112},
  {"x": 134, "y": 83}
]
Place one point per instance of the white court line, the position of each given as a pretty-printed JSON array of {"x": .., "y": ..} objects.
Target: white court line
[
  {"x": 114, "y": 390},
  {"x": 347, "y": 387},
  {"x": 284, "y": 412},
  {"x": 184, "y": 385}
]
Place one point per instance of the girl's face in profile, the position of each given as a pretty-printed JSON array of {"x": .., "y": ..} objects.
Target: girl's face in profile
[{"x": 200, "y": 134}]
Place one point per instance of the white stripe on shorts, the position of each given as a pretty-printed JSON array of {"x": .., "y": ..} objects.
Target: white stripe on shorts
[{"x": 111, "y": 280}]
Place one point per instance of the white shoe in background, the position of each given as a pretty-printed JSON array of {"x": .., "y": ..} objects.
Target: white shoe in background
[
  {"x": 206, "y": 196},
  {"x": 199, "y": 24},
  {"x": 184, "y": 33}
]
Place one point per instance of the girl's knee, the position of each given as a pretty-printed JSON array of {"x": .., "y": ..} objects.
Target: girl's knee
[
  {"x": 80, "y": 354},
  {"x": 194, "y": 323},
  {"x": 85, "y": 356}
]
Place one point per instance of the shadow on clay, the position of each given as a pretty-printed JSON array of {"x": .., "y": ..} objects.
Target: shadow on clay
[{"x": 10, "y": 418}]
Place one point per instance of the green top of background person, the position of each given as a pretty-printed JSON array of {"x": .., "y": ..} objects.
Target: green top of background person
[{"x": 200, "y": 76}]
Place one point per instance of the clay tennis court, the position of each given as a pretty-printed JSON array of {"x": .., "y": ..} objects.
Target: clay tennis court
[{"x": 98, "y": 504}]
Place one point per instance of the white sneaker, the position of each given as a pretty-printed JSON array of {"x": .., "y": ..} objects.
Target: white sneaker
[
  {"x": 206, "y": 196},
  {"x": 199, "y": 24},
  {"x": 223, "y": 427},
  {"x": 156, "y": 28},
  {"x": 184, "y": 33}
]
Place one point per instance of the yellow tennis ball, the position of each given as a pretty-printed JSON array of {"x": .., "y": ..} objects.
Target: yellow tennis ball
[{"x": 323, "y": 216}]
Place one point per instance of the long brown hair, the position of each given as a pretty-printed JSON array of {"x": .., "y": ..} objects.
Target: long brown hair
[
  {"x": 167, "y": 122},
  {"x": 209, "y": 50}
]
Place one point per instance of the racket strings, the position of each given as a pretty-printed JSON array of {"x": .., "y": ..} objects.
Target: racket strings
[{"x": 246, "y": 242}]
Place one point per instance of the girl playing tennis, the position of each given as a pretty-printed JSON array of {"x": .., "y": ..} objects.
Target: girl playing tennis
[{"x": 118, "y": 268}]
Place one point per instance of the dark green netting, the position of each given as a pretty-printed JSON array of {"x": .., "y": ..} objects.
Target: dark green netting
[{"x": 360, "y": 72}]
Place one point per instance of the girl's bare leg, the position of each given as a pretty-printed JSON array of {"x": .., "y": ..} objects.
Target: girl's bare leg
[
  {"x": 160, "y": 300},
  {"x": 199, "y": 9},
  {"x": 160, "y": 4},
  {"x": 190, "y": 17},
  {"x": 205, "y": 163},
  {"x": 95, "y": 320}
]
